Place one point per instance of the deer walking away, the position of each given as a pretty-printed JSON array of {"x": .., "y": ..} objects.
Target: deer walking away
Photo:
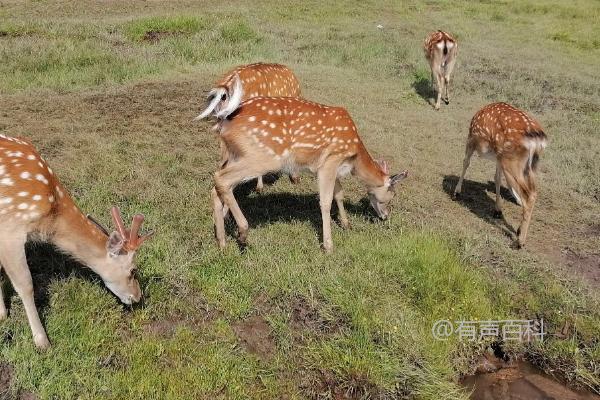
[
  {"x": 35, "y": 205},
  {"x": 515, "y": 141},
  {"x": 441, "y": 50}
]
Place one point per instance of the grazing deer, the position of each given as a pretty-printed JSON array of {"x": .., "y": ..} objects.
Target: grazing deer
[
  {"x": 515, "y": 140},
  {"x": 269, "y": 134},
  {"x": 440, "y": 50},
  {"x": 34, "y": 204},
  {"x": 255, "y": 80}
]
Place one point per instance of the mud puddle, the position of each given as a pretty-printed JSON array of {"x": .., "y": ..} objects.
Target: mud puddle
[{"x": 518, "y": 381}]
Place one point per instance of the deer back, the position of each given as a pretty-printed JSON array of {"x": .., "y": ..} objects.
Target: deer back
[
  {"x": 29, "y": 190},
  {"x": 291, "y": 128},
  {"x": 260, "y": 79},
  {"x": 505, "y": 130}
]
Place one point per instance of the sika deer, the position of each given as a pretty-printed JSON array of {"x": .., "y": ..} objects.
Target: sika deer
[
  {"x": 515, "y": 140},
  {"x": 269, "y": 134},
  {"x": 246, "y": 82},
  {"x": 440, "y": 50},
  {"x": 34, "y": 204}
]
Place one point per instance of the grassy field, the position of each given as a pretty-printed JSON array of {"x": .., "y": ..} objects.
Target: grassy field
[{"x": 107, "y": 91}]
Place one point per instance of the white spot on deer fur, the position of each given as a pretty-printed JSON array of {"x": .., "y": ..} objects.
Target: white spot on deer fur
[
  {"x": 6, "y": 182},
  {"x": 252, "y": 118},
  {"x": 6, "y": 200},
  {"x": 25, "y": 175},
  {"x": 41, "y": 178},
  {"x": 272, "y": 125},
  {"x": 23, "y": 206},
  {"x": 36, "y": 197},
  {"x": 23, "y": 194}
]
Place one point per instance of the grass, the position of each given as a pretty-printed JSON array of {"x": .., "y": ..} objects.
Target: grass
[{"x": 108, "y": 93}]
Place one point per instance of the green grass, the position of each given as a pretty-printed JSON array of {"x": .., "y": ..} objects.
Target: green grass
[{"x": 108, "y": 92}]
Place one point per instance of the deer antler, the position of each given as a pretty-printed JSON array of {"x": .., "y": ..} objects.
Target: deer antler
[
  {"x": 135, "y": 240},
  {"x": 118, "y": 220},
  {"x": 131, "y": 237}
]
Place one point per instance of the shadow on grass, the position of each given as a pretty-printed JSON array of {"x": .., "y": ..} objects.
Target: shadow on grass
[
  {"x": 479, "y": 199},
  {"x": 268, "y": 208},
  {"x": 423, "y": 87},
  {"x": 48, "y": 265}
]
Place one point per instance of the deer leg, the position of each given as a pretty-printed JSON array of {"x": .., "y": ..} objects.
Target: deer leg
[
  {"x": 514, "y": 177},
  {"x": 447, "y": 72},
  {"x": 338, "y": 195},
  {"x": 440, "y": 85},
  {"x": 498, "y": 180},
  {"x": 326, "y": 177},
  {"x": 218, "y": 217},
  {"x": 466, "y": 162},
  {"x": 14, "y": 261},
  {"x": 259, "y": 184},
  {"x": 3, "y": 312}
]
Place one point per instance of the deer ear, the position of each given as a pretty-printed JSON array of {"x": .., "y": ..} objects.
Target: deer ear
[
  {"x": 397, "y": 178},
  {"x": 384, "y": 166},
  {"x": 115, "y": 244}
]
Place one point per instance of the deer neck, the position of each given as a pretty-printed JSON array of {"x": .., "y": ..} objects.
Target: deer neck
[
  {"x": 77, "y": 236},
  {"x": 368, "y": 170}
]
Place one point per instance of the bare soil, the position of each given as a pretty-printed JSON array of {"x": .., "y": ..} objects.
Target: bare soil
[{"x": 255, "y": 336}]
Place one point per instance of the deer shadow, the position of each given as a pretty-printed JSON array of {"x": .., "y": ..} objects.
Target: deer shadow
[
  {"x": 48, "y": 265},
  {"x": 479, "y": 199},
  {"x": 269, "y": 208},
  {"x": 424, "y": 88}
]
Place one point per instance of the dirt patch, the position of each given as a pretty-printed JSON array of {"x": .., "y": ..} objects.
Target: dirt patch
[
  {"x": 6, "y": 377},
  {"x": 587, "y": 264},
  {"x": 156, "y": 36},
  {"x": 307, "y": 317},
  {"x": 255, "y": 335},
  {"x": 325, "y": 384}
]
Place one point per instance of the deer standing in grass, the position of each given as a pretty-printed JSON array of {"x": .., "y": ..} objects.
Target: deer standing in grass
[
  {"x": 270, "y": 134},
  {"x": 515, "y": 141},
  {"x": 440, "y": 50},
  {"x": 34, "y": 205},
  {"x": 256, "y": 80}
]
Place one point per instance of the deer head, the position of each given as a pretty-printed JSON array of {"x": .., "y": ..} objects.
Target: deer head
[
  {"x": 117, "y": 269},
  {"x": 380, "y": 196}
]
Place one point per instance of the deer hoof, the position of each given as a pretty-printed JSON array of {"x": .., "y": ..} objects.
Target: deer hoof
[
  {"x": 497, "y": 214},
  {"x": 3, "y": 313},
  {"x": 456, "y": 196},
  {"x": 294, "y": 179},
  {"x": 328, "y": 247},
  {"x": 41, "y": 342},
  {"x": 447, "y": 101}
]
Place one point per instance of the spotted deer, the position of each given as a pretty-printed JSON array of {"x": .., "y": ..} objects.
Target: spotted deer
[
  {"x": 34, "y": 205},
  {"x": 270, "y": 134},
  {"x": 440, "y": 50},
  {"x": 246, "y": 82},
  {"x": 515, "y": 141}
]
